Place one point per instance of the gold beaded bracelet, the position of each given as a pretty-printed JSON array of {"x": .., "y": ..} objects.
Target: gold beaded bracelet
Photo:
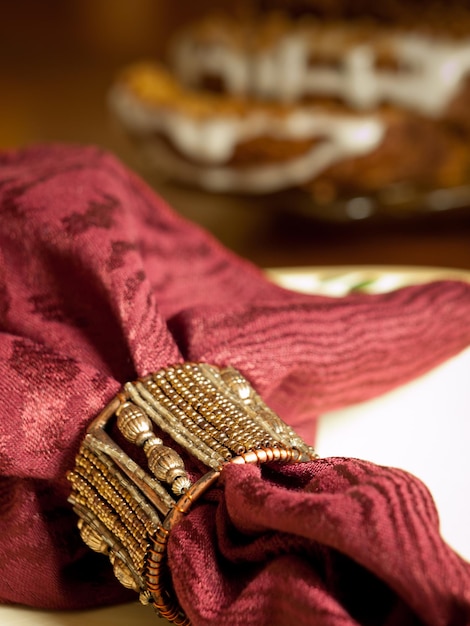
[{"x": 127, "y": 512}]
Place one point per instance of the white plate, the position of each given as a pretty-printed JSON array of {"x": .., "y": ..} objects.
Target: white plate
[{"x": 423, "y": 427}]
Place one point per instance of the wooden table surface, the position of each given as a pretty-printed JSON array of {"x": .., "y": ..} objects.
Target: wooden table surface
[{"x": 57, "y": 61}]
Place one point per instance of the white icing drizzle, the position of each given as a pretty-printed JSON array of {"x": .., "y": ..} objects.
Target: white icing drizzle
[
  {"x": 212, "y": 142},
  {"x": 429, "y": 71}
]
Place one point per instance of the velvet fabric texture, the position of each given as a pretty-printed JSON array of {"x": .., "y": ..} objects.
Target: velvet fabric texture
[{"x": 100, "y": 282}]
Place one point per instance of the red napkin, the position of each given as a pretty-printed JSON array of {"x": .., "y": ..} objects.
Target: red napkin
[{"x": 99, "y": 282}]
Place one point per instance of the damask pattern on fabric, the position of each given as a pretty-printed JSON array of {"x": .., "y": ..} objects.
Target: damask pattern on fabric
[{"x": 100, "y": 282}]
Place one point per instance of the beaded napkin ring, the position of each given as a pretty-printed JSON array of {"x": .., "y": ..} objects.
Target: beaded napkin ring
[{"x": 127, "y": 512}]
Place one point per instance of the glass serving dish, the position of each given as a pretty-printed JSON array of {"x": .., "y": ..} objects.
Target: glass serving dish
[{"x": 397, "y": 202}]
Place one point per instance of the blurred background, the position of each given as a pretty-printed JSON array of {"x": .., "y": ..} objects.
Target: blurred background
[{"x": 58, "y": 59}]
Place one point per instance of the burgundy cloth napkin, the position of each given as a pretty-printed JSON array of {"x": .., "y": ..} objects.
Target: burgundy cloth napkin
[{"x": 99, "y": 282}]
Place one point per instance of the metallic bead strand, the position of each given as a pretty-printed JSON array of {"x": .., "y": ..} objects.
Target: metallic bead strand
[
  {"x": 133, "y": 496},
  {"x": 165, "y": 420},
  {"x": 193, "y": 421},
  {"x": 109, "y": 516},
  {"x": 226, "y": 419},
  {"x": 118, "y": 455}
]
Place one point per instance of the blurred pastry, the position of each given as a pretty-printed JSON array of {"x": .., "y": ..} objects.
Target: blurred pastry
[
  {"x": 225, "y": 143},
  {"x": 334, "y": 107},
  {"x": 360, "y": 63}
]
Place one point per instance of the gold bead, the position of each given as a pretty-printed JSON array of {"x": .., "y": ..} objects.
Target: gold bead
[
  {"x": 134, "y": 423},
  {"x": 92, "y": 538},
  {"x": 167, "y": 465},
  {"x": 124, "y": 575},
  {"x": 237, "y": 384}
]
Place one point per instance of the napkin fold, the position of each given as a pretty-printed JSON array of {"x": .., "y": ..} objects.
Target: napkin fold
[{"x": 100, "y": 282}]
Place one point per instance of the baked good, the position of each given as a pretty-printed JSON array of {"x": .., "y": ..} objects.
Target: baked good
[
  {"x": 229, "y": 144},
  {"x": 334, "y": 107}
]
